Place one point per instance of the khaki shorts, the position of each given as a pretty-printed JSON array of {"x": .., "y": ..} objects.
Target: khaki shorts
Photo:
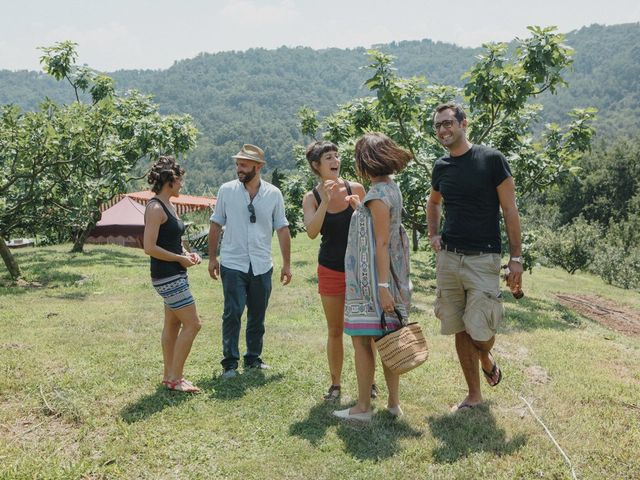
[{"x": 468, "y": 296}]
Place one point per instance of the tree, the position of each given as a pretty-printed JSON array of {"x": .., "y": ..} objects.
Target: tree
[
  {"x": 497, "y": 92},
  {"x": 107, "y": 136},
  {"x": 572, "y": 246},
  {"x": 605, "y": 190},
  {"x": 27, "y": 146},
  {"x": 61, "y": 163}
]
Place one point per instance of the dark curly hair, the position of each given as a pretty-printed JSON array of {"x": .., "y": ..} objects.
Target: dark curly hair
[
  {"x": 315, "y": 151},
  {"x": 165, "y": 170},
  {"x": 377, "y": 155}
]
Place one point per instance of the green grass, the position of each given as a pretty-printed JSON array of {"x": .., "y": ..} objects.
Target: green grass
[{"x": 80, "y": 365}]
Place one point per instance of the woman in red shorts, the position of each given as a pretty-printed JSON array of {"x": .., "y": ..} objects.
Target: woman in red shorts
[{"x": 327, "y": 211}]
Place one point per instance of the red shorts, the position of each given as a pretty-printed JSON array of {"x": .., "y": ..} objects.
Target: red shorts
[{"x": 330, "y": 282}]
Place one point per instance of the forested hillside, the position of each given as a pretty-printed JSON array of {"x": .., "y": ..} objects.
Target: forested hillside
[{"x": 253, "y": 96}]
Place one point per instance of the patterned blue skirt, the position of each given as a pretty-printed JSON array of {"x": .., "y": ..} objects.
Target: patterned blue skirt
[{"x": 174, "y": 291}]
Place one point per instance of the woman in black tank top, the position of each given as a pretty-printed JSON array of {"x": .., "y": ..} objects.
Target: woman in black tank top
[
  {"x": 169, "y": 262},
  {"x": 327, "y": 212}
]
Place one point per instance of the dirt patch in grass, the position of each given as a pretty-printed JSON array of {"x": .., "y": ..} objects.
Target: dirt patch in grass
[
  {"x": 604, "y": 311},
  {"x": 537, "y": 374}
]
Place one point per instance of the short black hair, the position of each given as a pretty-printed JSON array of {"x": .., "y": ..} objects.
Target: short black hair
[
  {"x": 458, "y": 111},
  {"x": 315, "y": 151}
]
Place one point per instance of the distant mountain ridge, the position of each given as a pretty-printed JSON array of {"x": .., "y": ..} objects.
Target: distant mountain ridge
[{"x": 253, "y": 96}]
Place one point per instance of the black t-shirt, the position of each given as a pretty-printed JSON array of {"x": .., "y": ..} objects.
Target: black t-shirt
[{"x": 471, "y": 207}]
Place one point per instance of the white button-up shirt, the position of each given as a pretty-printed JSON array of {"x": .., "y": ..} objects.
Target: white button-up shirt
[{"x": 245, "y": 243}]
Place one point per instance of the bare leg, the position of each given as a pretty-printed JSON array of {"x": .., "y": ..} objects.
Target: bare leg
[
  {"x": 468, "y": 357},
  {"x": 191, "y": 325},
  {"x": 393, "y": 385},
  {"x": 365, "y": 370},
  {"x": 334, "y": 312},
  {"x": 168, "y": 340},
  {"x": 470, "y": 352},
  {"x": 484, "y": 348}
]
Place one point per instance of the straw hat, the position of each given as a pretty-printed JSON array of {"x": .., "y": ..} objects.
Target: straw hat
[{"x": 250, "y": 152}]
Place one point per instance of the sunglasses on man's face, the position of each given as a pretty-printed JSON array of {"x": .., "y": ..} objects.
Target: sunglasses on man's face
[
  {"x": 445, "y": 124},
  {"x": 252, "y": 211}
]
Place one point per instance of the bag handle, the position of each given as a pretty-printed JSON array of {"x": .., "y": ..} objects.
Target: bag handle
[{"x": 383, "y": 322}]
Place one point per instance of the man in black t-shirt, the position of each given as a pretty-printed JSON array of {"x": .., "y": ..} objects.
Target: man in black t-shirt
[{"x": 475, "y": 182}]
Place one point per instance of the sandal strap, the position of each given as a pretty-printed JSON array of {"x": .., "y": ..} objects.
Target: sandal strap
[
  {"x": 182, "y": 383},
  {"x": 333, "y": 392}
]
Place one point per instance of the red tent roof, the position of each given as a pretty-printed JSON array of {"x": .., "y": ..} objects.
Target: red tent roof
[
  {"x": 125, "y": 212},
  {"x": 182, "y": 203},
  {"x": 193, "y": 201}
]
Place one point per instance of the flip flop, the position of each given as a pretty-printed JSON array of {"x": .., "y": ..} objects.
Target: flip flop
[
  {"x": 463, "y": 406},
  {"x": 490, "y": 375}
]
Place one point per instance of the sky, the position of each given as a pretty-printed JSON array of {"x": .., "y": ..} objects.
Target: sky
[{"x": 152, "y": 34}]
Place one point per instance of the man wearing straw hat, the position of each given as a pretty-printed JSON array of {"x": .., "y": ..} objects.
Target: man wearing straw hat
[{"x": 249, "y": 209}]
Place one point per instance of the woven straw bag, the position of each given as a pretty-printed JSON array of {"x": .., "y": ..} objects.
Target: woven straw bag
[{"x": 403, "y": 349}]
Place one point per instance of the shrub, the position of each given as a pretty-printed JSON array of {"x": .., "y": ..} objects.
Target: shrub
[
  {"x": 618, "y": 261},
  {"x": 617, "y": 266},
  {"x": 570, "y": 247}
]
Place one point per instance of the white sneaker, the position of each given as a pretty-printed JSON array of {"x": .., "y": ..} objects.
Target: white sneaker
[
  {"x": 395, "y": 411},
  {"x": 347, "y": 415},
  {"x": 258, "y": 365}
]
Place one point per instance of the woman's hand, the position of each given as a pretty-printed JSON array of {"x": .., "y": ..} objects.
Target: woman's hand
[
  {"x": 194, "y": 257},
  {"x": 386, "y": 300},
  {"x": 187, "y": 260},
  {"x": 327, "y": 190},
  {"x": 354, "y": 200}
]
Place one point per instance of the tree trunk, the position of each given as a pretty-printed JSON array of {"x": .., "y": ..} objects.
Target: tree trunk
[
  {"x": 9, "y": 260},
  {"x": 81, "y": 238},
  {"x": 414, "y": 238}
]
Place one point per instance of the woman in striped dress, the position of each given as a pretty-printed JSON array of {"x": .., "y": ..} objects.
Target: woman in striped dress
[{"x": 163, "y": 232}]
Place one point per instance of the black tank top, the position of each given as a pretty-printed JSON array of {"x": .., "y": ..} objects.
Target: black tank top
[
  {"x": 169, "y": 238},
  {"x": 335, "y": 230}
]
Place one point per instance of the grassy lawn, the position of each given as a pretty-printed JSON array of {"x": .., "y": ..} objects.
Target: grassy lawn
[{"x": 80, "y": 365}]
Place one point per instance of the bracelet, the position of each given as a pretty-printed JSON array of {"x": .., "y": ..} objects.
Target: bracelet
[{"x": 384, "y": 284}]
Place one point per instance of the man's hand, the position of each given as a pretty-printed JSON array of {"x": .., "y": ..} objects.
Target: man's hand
[
  {"x": 285, "y": 275},
  {"x": 436, "y": 242},
  {"x": 214, "y": 268},
  {"x": 514, "y": 279}
]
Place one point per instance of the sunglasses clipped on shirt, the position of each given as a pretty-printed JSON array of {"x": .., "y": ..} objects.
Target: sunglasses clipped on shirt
[{"x": 252, "y": 211}]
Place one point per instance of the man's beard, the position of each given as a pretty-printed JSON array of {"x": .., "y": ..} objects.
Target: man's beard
[{"x": 247, "y": 177}]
